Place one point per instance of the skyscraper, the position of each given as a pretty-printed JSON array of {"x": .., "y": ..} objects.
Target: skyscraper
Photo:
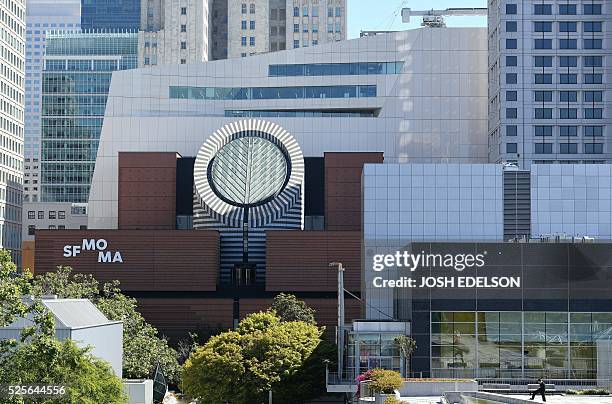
[
  {"x": 110, "y": 15},
  {"x": 42, "y": 16},
  {"x": 549, "y": 81},
  {"x": 12, "y": 73},
  {"x": 76, "y": 80}
]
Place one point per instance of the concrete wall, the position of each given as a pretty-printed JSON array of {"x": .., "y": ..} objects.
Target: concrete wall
[{"x": 106, "y": 341}]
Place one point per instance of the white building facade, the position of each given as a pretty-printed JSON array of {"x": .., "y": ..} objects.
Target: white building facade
[{"x": 549, "y": 88}]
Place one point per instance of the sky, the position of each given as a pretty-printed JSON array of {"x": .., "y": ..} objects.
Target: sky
[{"x": 385, "y": 15}]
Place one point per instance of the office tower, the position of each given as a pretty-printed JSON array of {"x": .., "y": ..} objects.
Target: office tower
[
  {"x": 173, "y": 32},
  {"x": 76, "y": 80},
  {"x": 259, "y": 26},
  {"x": 110, "y": 15},
  {"x": 549, "y": 81},
  {"x": 42, "y": 16},
  {"x": 12, "y": 74}
]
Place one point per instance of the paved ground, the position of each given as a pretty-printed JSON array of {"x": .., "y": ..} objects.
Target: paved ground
[{"x": 558, "y": 399}]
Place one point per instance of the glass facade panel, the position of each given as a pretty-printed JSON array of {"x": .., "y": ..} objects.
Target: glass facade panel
[{"x": 335, "y": 69}]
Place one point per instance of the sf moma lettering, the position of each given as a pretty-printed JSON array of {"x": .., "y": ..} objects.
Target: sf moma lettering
[{"x": 99, "y": 245}]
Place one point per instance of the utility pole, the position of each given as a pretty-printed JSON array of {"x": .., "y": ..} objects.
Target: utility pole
[{"x": 340, "y": 339}]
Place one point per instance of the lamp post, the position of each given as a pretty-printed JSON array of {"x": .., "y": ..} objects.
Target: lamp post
[{"x": 340, "y": 339}]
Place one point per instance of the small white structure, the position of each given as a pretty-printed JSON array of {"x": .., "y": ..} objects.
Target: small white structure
[
  {"x": 139, "y": 391},
  {"x": 81, "y": 321}
]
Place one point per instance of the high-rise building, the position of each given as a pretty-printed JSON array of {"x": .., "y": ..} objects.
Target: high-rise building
[
  {"x": 42, "y": 16},
  {"x": 76, "y": 80},
  {"x": 111, "y": 15},
  {"x": 173, "y": 32},
  {"x": 549, "y": 81},
  {"x": 12, "y": 75},
  {"x": 259, "y": 26}
]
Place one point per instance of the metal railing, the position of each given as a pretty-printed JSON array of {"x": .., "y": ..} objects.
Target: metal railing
[{"x": 520, "y": 384}]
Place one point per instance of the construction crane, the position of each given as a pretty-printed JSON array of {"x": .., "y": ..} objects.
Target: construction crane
[{"x": 435, "y": 18}]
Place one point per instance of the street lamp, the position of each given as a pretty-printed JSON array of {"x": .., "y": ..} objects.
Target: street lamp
[{"x": 340, "y": 336}]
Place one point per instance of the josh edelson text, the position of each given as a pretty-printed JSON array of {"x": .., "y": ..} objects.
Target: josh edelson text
[{"x": 405, "y": 261}]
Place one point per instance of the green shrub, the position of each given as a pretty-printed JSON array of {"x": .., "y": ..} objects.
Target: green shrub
[
  {"x": 393, "y": 400},
  {"x": 385, "y": 381},
  {"x": 587, "y": 392}
]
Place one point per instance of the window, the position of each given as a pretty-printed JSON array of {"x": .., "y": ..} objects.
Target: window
[
  {"x": 31, "y": 214},
  {"x": 243, "y": 41},
  {"x": 593, "y": 148},
  {"x": 511, "y": 130},
  {"x": 543, "y": 130},
  {"x": 511, "y": 44},
  {"x": 568, "y": 131},
  {"x": 542, "y": 26},
  {"x": 296, "y": 27},
  {"x": 252, "y": 8},
  {"x": 296, "y": 11},
  {"x": 305, "y": 28},
  {"x": 568, "y": 148},
  {"x": 511, "y": 61},
  {"x": 543, "y": 113},
  {"x": 315, "y": 27},
  {"x": 31, "y": 230},
  {"x": 511, "y": 26},
  {"x": 593, "y": 61},
  {"x": 183, "y": 10},
  {"x": 511, "y": 148},
  {"x": 568, "y": 43},
  {"x": 61, "y": 214},
  {"x": 592, "y": 9},
  {"x": 543, "y": 61},
  {"x": 568, "y": 61},
  {"x": 252, "y": 41},
  {"x": 568, "y": 26},
  {"x": 592, "y": 78},
  {"x": 543, "y": 43},
  {"x": 593, "y": 113},
  {"x": 567, "y": 9},
  {"x": 592, "y": 44},
  {"x": 330, "y": 28},
  {"x": 511, "y": 95},
  {"x": 315, "y": 11},
  {"x": 338, "y": 12},
  {"x": 511, "y": 78},
  {"x": 52, "y": 214},
  {"x": 568, "y": 96},
  {"x": 244, "y": 24},
  {"x": 543, "y": 78},
  {"x": 593, "y": 131},
  {"x": 593, "y": 96},
  {"x": 252, "y": 24},
  {"x": 183, "y": 45},
  {"x": 41, "y": 214},
  {"x": 594, "y": 26},
  {"x": 330, "y": 12},
  {"x": 305, "y": 10},
  {"x": 511, "y": 8},
  {"x": 315, "y": 42},
  {"x": 183, "y": 28},
  {"x": 568, "y": 78},
  {"x": 543, "y": 96},
  {"x": 183, "y": 61},
  {"x": 542, "y": 9},
  {"x": 52, "y": 227},
  {"x": 568, "y": 113},
  {"x": 511, "y": 113},
  {"x": 296, "y": 43},
  {"x": 83, "y": 227},
  {"x": 543, "y": 148},
  {"x": 61, "y": 227},
  {"x": 338, "y": 27},
  {"x": 243, "y": 55}
]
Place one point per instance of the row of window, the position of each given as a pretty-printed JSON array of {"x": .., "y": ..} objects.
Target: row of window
[
  {"x": 335, "y": 69},
  {"x": 243, "y": 41},
  {"x": 564, "y": 148},
  {"x": 564, "y": 78},
  {"x": 251, "y": 24},
  {"x": 564, "y": 26},
  {"x": 563, "y": 61},
  {"x": 272, "y": 93},
  {"x": 564, "y": 113},
  {"x": 331, "y": 11},
  {"x": 298, "y": 114},
  {"x": 564, "y": 9},
  {"x": 61, "y": 214},
  {"x": 590, "y": 43},
  {"x": 564, "y": 96},
  {"x": 32, "y": 228},
  {"x": 564, "y": 130}
]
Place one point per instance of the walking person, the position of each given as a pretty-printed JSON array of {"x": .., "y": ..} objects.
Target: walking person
[{"x": 540, "y": 390}]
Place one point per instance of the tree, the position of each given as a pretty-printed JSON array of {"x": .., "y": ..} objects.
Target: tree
[
  {"x": 407, "y": 345},
  {"x": 289, "y": 308},
  {"x": 39, "y": 358},
  {"x": 142, "y": 348},
  {"x": 241, "y": 366}
]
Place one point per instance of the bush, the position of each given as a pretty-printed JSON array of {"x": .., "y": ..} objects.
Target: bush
[
  {"x": 587, "y": 392},
  {"x": 385, "y": 381},
  {"x": 393, "y": 400}
]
